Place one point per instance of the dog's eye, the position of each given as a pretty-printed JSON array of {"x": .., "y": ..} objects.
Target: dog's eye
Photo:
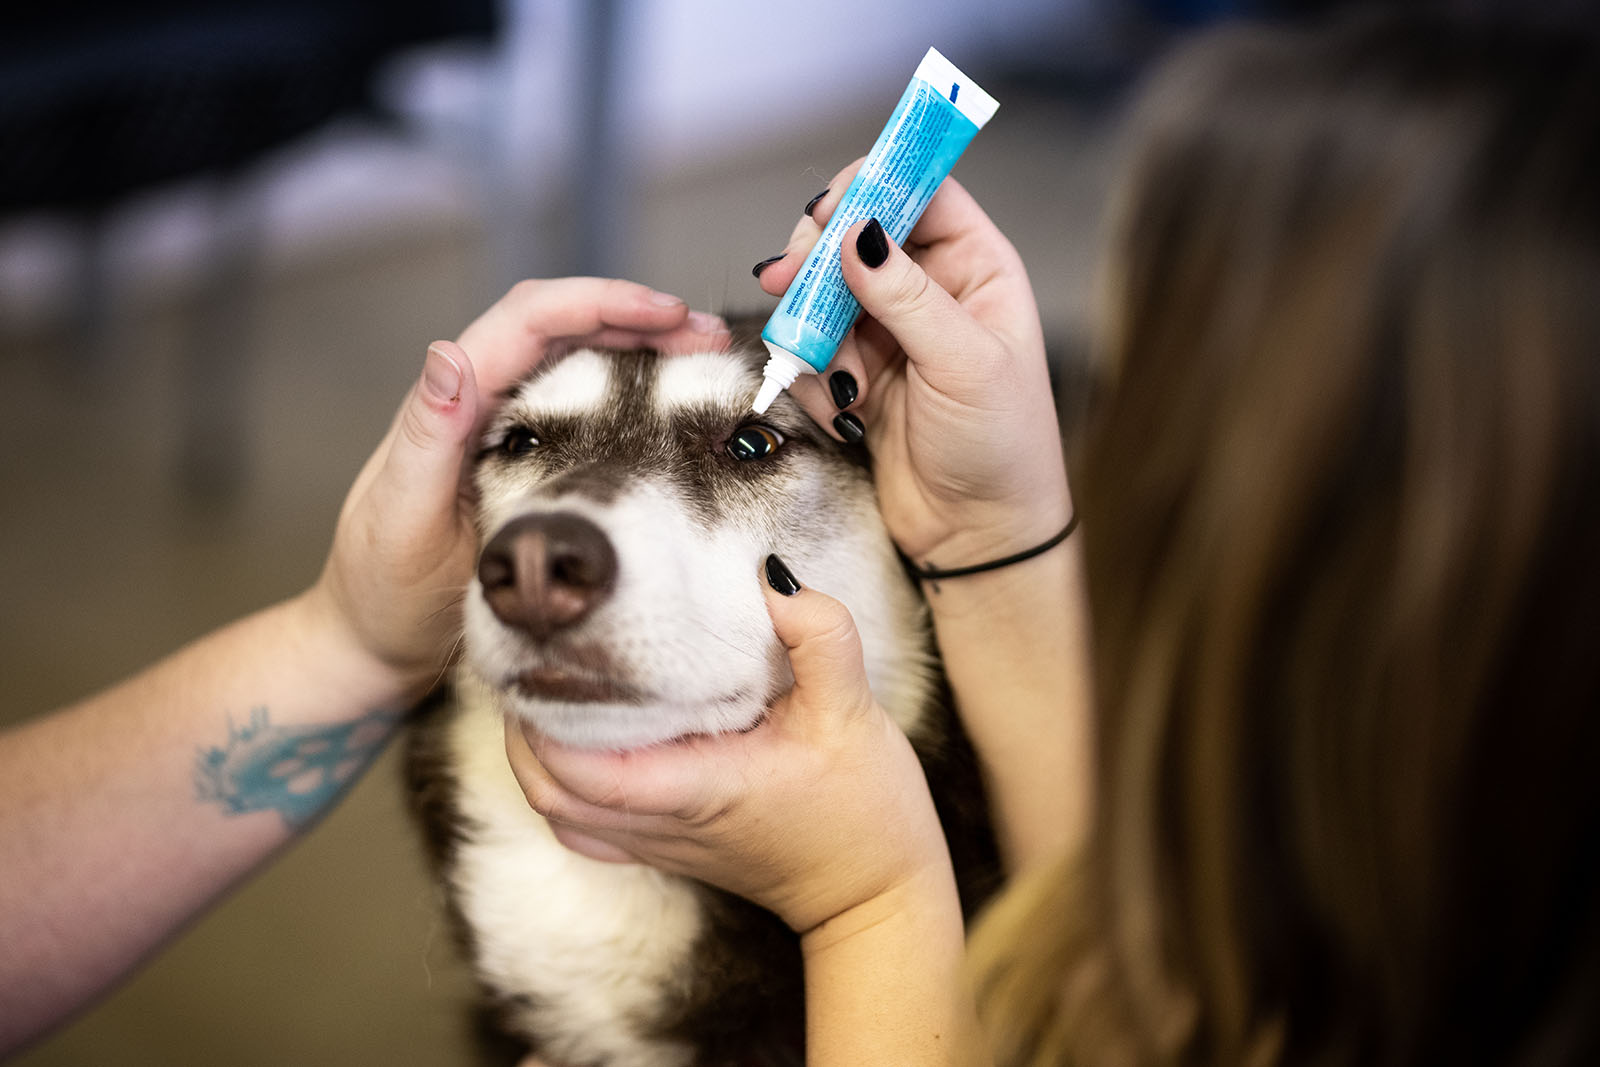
[
  {"x": 754, "y": 442},
  {"x": 518, "y": 441}
]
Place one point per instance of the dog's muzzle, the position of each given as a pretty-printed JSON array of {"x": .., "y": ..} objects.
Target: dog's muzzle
[{"x": 543, "y": 573}]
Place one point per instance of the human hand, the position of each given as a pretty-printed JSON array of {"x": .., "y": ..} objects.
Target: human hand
[
  {"x": 405, "y": 544},
  {"x": 953, "y": 388},
  {"x": 820, "y": 810}
]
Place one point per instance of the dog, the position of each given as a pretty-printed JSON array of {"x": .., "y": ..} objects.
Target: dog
[{"x": 625, "y": 503}]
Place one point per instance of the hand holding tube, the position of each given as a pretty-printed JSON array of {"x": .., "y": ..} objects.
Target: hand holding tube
[
  {"x": 954, "y": 388},
  {"x": 937, "y": 116},
  {"x": 955, "y": 394}
]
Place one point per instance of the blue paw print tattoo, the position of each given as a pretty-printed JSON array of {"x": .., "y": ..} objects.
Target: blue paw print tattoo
[{"x": 296, "y": 771}]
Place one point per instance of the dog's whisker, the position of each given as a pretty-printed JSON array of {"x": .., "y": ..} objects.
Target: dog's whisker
[
  {"x": 452, "y": 605},
  {"x": 617, "y": 605},
  {"x": 446, "y": 665},
  {"x": 725, "y": 643}
]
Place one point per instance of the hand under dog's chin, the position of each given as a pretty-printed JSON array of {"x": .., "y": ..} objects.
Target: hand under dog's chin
[{"x": 622, "y": 726}]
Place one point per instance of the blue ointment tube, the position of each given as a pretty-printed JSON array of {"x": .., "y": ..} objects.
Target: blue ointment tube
[{"x": 937, "y": 116}]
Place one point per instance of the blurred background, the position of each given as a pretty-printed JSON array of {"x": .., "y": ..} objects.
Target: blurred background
[{"x": 227, "y": 234}]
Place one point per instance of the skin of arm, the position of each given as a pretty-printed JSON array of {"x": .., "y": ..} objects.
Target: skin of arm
[
  {"x": 955, "y": 396},
  {"x": 124, "y": 816},
  {"x": 969, "y": 468},
  {"x": 820, "y": 814},
  {"x": 1016, "y": 653},
  {"x": 887, "y": 983},
  {"x": 803, "y": 814}
]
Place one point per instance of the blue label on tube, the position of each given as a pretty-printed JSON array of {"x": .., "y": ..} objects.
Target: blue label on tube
[{"x": 924, "y": 137}]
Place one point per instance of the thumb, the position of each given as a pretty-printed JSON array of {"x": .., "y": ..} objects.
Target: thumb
[
  {"x": 824, "y": 647},
  {"x": 423, "y": 465},
  {"x": 939, "y": 337}
]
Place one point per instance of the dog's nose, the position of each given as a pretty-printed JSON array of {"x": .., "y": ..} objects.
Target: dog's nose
[{"x": 541, "y": 573}]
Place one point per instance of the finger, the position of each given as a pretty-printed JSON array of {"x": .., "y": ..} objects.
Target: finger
[
  {"x": 631, "y": 787},
  {"x": 961, "y": 248},
  {"x": 953, "y": 213},
  {"x": 692, "y": 778},
  {"x": 954, "y": 352},
  {"x": 812, "y": 396},
  {"x": 872, "y": 348},
  {"x": 418, "y": 482},
  {"x": 823, "y": 209},
  {"x": 588, "y": 845},
  {"x": 549, "y": 795},
  {"x": 509, "y": 338},
  {"x": 775, "y": 275},
  {"x": 830, "y": 676},
  {"x": 839, "y": 390},
  {"x": 822, "y": 396},
  {"x": 875, "y": 349},
  {"x": 701, "y": 332}
]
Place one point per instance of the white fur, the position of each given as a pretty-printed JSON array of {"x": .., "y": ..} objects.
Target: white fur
[
  {"x": 687, "y": 626},
  {"x": 687, "y": 623},
  {"x": 573, "y": 386},
  {"x": 693, "y": 380},
  {"x": 536, "y": 903}
]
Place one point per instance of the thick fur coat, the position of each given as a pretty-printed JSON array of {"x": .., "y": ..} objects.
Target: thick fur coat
[{"x": 625, "y": 505}]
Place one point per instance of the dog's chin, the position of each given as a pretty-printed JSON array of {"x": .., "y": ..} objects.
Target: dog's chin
[{"x": 622, "y": 725}]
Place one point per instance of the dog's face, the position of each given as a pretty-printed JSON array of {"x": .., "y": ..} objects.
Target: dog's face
[{"x": 626, "y": 505}]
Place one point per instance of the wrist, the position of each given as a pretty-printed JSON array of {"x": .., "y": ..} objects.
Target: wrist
[
  {"x": 926, "y": 895},
  {"x": 886, "y": 983},
  {"x": 370, "y": 677},
  {"x": 1015, "y": 650},
  {"x": 983, "y": 569},
  {"x": 979, "y": 534},
  {"x": 936, "y": 574}
]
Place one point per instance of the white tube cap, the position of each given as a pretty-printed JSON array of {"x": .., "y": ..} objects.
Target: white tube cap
[{"x": 782, "y": 368}]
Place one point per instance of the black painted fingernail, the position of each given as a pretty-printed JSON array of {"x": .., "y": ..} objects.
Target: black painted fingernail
[
  {"x": 779, "y": 578},
  {"x": 872, "y": 244},
  {"x": 811, "y": 205},
  {"x": 849, "y": 427},
  {"x": 842, "y": 384},
  {"x": 765, "y": 263}
]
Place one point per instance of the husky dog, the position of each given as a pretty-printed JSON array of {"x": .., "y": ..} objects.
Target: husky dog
[{"x": 625, "y": 505}]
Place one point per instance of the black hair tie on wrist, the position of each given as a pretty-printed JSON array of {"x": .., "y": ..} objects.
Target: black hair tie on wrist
[{"x": 934, "y": 574}]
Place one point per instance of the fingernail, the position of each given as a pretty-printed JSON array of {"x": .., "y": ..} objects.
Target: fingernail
[
  {"x": 842, "y": 384},
  {"x": 666, "y": 300},
  {"x": 779, "y": 577},
  {"x": 849, "y": 427},
  {"x": 441, "y": 376},
  {"x": 705, "y": 322},
  {"x": 765, "y": 263},
  {"x": 872, "y": 244},
  {"x": 811, "y": 205}
]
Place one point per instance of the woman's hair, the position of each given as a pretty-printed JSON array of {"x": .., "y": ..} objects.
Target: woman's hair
[{"x": 1341, "y": 517}]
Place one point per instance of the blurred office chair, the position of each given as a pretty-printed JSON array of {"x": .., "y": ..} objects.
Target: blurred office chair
[{"x": 100, "y": 99}]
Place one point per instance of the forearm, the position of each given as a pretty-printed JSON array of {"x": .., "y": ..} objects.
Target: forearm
[
  {"x": 125, "y": 815},
  {"x": 886, "y": 983},
  {"x": 1015, "y": 647}
]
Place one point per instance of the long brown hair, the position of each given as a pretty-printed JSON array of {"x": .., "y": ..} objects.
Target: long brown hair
[{"x": 1341, "y": 519}]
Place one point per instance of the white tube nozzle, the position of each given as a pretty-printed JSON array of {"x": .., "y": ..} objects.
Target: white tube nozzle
[{"x": 782, "y": 368}]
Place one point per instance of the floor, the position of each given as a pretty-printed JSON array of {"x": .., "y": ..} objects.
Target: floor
[{"x": 336, "y": 953}]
